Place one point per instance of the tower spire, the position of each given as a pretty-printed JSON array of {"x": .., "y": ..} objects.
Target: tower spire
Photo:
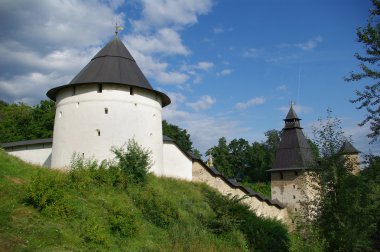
[{"x": 117, "y": 29}]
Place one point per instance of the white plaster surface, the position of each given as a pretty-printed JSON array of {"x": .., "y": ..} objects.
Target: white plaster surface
[
  {"x": 39, "y": 154},
  {"x": 80, "y": 116},
  {"x": 176, "y": 163}
]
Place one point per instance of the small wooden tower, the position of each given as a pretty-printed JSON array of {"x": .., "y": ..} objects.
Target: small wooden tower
[
  {"x": 352, "y": 156},
  {"x": 293, "y": 158}
]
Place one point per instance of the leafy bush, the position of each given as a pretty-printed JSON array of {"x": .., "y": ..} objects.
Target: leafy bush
[
  {"x": 156, "y": 208},
  {"x": 261, "y": 234},
  {"x": 135, "y": 162},
  {"x": 123, "y": 219}
]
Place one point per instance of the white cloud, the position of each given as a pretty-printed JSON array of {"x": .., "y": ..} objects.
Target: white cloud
[
  {"x": 164, "y": 41},
  {"x": 251, "y": 53},
  {"x": 310, "y": 44},
  {"x": 306, "y": 46},
  {"x": 250, "y": 103},
  {"x": 203, "y": 103},
  {"x": 218, "y": 29},
  {"x": 204, "y": 65},
  {"x": 224, "y": 72},
  {"x": 178, "y": 13},
  {"x": 45, "y": 43},
  {"x": 205, "y": 130},
  {"x": 282, "y": 88}
]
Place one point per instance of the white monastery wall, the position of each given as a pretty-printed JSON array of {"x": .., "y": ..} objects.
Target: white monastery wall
[
  {"x": 38, "y": 154},
  {"x": 176, "y": 163},
  {"x": 89, "y": 122},
  {"x": 260, "y": 207}
]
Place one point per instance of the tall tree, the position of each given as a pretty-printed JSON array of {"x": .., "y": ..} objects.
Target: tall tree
[
  {"x": 220, "y": 154},
  {"x": 369, "y": 98},
  {"x": 180, "y": 136},
  {"x": 341, "y": 209}
]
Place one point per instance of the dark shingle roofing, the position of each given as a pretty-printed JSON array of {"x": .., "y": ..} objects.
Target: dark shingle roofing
[
  {"x": 348, "y": 148},
  {"x": 27, "y": 142},
  {"x": 294, "y": 152},
  {"x": 291, "y": 114},
  {"x": 112, "y": 64}
]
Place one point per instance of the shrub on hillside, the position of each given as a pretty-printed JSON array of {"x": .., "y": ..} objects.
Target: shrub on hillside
[
  {"x": 135, "y": 162},
  {"x": 261, "y": 234},
  {"x": 48, "y": 192}
]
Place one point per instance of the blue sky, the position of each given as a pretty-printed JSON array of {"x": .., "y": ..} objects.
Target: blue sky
[{"x": 230, "y": 67}]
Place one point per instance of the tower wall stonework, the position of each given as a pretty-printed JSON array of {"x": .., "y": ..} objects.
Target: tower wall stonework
[
  {"x": 288, "y": 187},
  {"x": 90, "y": 123}
]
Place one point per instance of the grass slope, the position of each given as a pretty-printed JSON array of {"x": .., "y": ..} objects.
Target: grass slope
[{"x": 47, "y": 210}]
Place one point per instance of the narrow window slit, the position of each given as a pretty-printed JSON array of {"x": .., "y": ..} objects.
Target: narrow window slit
[
  {"x": 105, "y": 110},
  {"x": 131, "y": 91},
  {"x": 100, "y": 88},
  {"x": 98, "y": 131}
]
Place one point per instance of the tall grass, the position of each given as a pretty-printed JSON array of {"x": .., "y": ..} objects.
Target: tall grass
[{"x": 97, "y": 208}]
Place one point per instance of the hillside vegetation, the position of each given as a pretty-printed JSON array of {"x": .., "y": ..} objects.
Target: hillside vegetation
[{"x": 93, "y": 208}]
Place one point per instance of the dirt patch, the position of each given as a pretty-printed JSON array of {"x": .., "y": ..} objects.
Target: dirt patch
[{"x": 17, "y": 181}]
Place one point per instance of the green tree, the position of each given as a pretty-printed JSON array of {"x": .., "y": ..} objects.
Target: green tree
[
  {"x": 135, "y": 161},
  {"x": 22, "y": 122},
  {"x": 180, "y": 136},
  {"x": 369, "y": 98},
  {"x": 340, "y": 212},
  {"x": 220, "y": 154}
]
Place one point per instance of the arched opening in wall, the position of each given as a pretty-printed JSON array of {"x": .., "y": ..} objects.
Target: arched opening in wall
[
  {"x": 100, "y": 88},
  {"x": 296, "y": 173},
  {"x": 294, "y": 186},
  {"x": 98, "y": 132},
  {"x": 294, "y": 196},
  {"x": 131, "y": 91},
  {"x": 281, "y": 175},
  {"x": 105, "y": 110}
]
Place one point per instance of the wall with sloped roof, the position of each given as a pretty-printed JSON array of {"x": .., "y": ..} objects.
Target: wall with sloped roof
[
  {"x": 176, "y": 163},
  {"x": 257, "y": 203}
]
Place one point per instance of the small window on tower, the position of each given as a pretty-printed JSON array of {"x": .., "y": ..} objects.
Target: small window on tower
[
  {"x": 296, "y": 173},
  {"x": 100, "y": 88},
  {"x": 74, "y": 90},
  {"x": 294, "y": 196},
  {"x": 60, "y": 114},
  {"x": 281, "y": 175},
  {"x": 105, "y": 110},
  {"x": 98, "y": 131},
  {"x": 131, "y": 91}
]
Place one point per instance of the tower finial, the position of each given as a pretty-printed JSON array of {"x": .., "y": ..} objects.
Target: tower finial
[
  {"x": 292, "y": 103},
  {"x": 117, "y": 29}
]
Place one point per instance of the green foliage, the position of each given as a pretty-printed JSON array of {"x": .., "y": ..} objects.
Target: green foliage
[
  {"x": 262, "y": 234},
  {"x": 135, "y": 162},
  {"x": 341, "y": 213},
  {"x": 22, "y": 122},
  {"x": 244, "y": 161},
  {"x": 369, "y": 98},
  {"x": 180, "y": 136},
  {"x": 156, "y": 208},
  {"x": 261, "y": 187},
  {"x": 160, "y": 215}
]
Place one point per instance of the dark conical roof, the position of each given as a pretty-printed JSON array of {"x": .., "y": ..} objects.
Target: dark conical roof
[
  {"x": 112, "y": 64},
  {"x": 291, "y": 114},
  {"x": 348, "y": 148},
  {"x": 294, "y": 151}
]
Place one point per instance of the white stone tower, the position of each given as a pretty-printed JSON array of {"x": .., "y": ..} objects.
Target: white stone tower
[{"x": 109, "y": 102}]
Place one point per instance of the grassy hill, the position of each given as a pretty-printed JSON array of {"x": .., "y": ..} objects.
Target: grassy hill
[{"x": 88, "y": 209}]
